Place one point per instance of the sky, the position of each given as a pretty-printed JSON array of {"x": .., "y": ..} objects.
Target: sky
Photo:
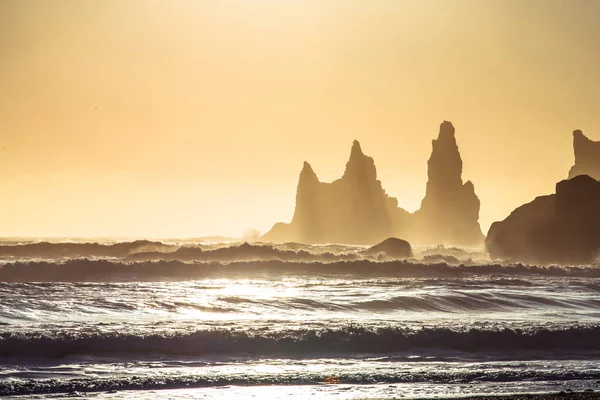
[{"x": 187, "y": 118}]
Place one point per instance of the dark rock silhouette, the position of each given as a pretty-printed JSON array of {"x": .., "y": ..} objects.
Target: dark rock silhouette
[
  {"x": 449, "y": 212},
  {"x": 356, "y": 209},
  {"x": 353, "y": 209},
  {"x": 560, "y": 228},
  {"x": 587, "y": 156},
  {"x": 391, "y": 247}
]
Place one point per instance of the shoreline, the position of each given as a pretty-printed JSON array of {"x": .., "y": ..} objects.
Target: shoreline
[{"x": 562, "y": 395}]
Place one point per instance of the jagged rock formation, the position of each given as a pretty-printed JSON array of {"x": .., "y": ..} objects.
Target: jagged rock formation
[
  {"x": 354, "y": 209},
  {"x": 560, "y": 228},
  {"x": 587, "y": 156},
  {"x": 391, "y": 247},
  {"x": 449, "y": 212}
]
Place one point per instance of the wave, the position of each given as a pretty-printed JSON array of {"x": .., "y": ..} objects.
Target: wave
[
  {"x": 443, "y": 303},
  {"x": 295, "y": 252},
  {"x": 244, "y": 252},
  {"x": 71, "y": 249},
  {"x": 144, "y": 250},
  {"x": 86, "y": 270},
  {"x": 394, "y": 343},
  {"x": 18, "y": 302},
  {"x": 306, "y": 342},
  {"x": 182, "y": 381}
]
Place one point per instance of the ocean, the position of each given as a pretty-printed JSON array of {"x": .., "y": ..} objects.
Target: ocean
[{"x": 195, "y": 320}]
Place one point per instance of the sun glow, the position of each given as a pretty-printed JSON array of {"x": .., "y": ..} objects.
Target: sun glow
[{"x": 192, "y": 118}]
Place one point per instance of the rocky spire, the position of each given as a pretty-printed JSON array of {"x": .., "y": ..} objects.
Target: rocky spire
[
  {"x": 360, "y": 167},
  {"x": 444, "y": 168},
  {"x": 307, "y": 175},
  {"x": 587, "y": 156},
  {"x": 356, "y": 149},
  {"x": 450, "y": 209}
]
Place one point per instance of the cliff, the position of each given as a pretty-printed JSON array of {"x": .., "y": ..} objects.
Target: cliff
[
  {"x": 587, "y": 156},
  {"x": 562, "y": 228}
]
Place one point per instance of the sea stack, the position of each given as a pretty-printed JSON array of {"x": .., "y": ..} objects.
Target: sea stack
[
  {"x": 449, "y": 212},
  {"x": 561, "y": 228},
  {"x": 353, "y": 209},
  {"x": 587, "y": 156}
]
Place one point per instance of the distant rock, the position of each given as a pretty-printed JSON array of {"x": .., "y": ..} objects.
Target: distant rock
[
  {"x": 449, "y": 211},
  {"x": 353, "y": 209},
  {"x": 587, "y": 156},
  {"x": 391, "y": 247},
  {"x": 562, "y": 228}
]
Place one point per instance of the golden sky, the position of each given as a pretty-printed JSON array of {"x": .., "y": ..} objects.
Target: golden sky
[{"x": 193, "y": 117}]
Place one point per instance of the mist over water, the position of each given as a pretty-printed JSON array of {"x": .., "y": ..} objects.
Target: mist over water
[{"x": 157, "y": 319}]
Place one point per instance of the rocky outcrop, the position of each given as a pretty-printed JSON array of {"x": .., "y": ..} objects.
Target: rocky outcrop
[
  {"x": 392, "y": 248},
  {"x": 356, "y": 210},
  {"x": 353, "y": 209},
  {"x": 562, "y": 228},
  {"x": 449, "y": 212},
  {"x": 587, "y": 156}
]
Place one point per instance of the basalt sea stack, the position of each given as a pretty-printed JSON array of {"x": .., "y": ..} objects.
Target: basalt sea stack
[
  {"x": 355, "y": 209},
  {"x": 449, "y": 212}
]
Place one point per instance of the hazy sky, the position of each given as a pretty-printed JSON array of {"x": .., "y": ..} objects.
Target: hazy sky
[{"x": 187, "y": 118}]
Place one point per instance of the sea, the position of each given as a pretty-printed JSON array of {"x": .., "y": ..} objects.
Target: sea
[{"x": 196, "y": 319}]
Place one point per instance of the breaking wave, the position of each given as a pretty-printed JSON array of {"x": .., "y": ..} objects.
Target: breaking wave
[
  {"x": 75, "y": 387},
  {"x": 306, "y": 342},
  {"x": 70, "y": 249},
  {"x": 144, "y": 250},
  {"x": 88, "y": 270}
]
